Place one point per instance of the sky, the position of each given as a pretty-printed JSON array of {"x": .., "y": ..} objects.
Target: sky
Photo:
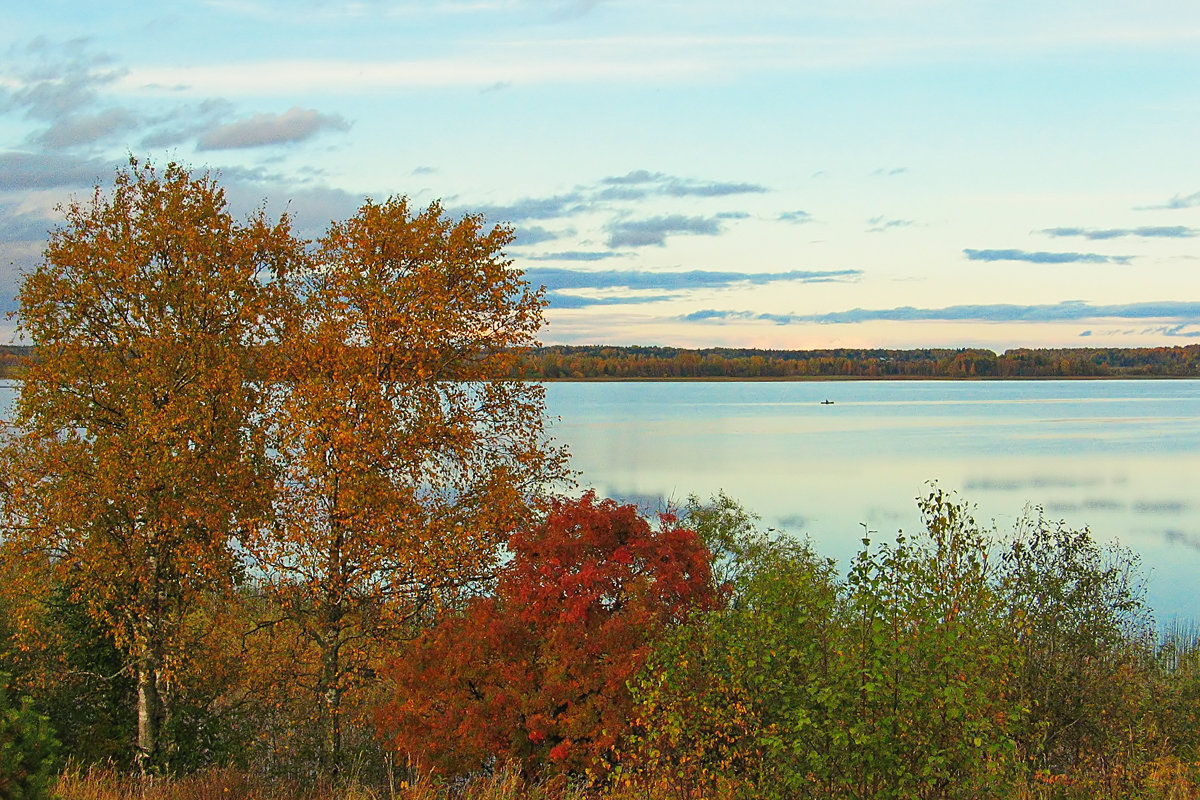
[{"x": 787, "y": 175}]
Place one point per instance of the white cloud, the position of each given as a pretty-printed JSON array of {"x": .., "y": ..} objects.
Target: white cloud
[
  {"x": 508, "y": 54},
  {"x": 276, "y": 77},
  {"x": 294, "y": 125}
]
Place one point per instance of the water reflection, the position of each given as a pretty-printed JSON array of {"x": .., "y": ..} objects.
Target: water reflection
[
  {"x": 1118, "y": 456},
  {"x": 1121, "y": 457}
]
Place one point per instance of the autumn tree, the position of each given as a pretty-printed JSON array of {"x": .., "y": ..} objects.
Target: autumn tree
[
  {"x": 133, "y": 458},
  {"x": 539, "y": 671},
  {"x": 404, "y": 459}
]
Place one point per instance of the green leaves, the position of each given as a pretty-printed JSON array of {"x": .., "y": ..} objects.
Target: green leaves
[
  {"x": 889, "y": 683},
  {"x": 1085, "y": 636},
  {"x": 28, "y": 749}
]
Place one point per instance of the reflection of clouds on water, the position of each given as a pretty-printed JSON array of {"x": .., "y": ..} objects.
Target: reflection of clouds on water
[
  {"x": 1189, "y": 540},
  {"x": 880, "y": 515},
  {"x": 1161, "y": 507},
  {"x": 1102, "y": 504},
  {"x": 646, "y": 503},
  {"x": 1043, "y": 482},
  {"x": 792, "y": 522},
  {"x": 1060, "y": 494}
]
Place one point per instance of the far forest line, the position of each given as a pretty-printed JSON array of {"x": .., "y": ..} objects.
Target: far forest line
[
  {"x": 567, "y": 362},
  {"x": 601, "y": 362}
]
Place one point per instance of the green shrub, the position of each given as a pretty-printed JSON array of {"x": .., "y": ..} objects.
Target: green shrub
[
  {"x": 732, "y": 703},
  {"x": 1085, "y": 634},
  {"x": 28, "y": 749},
  {"x": 729, "y": 704},
  {"x": 892, "y": 683},
  {"x": 1177, "y": 700},
  {"x": 925, "y": 665}
]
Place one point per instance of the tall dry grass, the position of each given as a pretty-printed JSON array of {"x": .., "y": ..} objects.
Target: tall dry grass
[
  {"x": 104, "y": 783},
  {"x": 1166, "y": 779}
]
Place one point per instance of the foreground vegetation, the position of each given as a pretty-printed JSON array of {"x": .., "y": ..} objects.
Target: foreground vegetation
[
  {"x": 696, "y": 657},
  {"x": 273, "y": 527},
  {"x": 1168, "y": 780}
]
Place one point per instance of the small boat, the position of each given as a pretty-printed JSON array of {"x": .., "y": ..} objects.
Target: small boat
[{"x": 826, "y": 402}]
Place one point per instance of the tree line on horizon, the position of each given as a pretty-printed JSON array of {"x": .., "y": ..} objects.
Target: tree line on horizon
[
  {"x": 595, "y": 362},
  {"x": 634, "y": 362}
]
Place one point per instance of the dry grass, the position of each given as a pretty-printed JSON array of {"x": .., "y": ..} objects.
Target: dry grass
[
  {"x": 1166, "y": 779},
  {"x": 102, "y": 783}
]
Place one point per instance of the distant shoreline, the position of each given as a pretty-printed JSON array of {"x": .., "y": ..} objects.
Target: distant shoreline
[
  {"x": 867, "y": 379},
  {"x": 605, "y": 363},
  {"x": 608, "y": 363}
]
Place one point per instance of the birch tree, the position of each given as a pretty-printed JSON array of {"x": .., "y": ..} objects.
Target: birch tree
[
  {"x": 404, "y": 459},
  {"x": 134, "y": 458}
]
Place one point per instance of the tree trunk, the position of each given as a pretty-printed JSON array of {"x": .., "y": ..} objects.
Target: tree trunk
[
  {"x": 331, "y": 667},
  {"x": 150, "y": 709},
  {"x": 153, "y": 698},
  {"x": 331, "y": 744}
]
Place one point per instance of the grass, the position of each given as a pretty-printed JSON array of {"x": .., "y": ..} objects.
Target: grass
[
  {"x": 1166, "y": 779},
  {"x": 105, "y": 783}
]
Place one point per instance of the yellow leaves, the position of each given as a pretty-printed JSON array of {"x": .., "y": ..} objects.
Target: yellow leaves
[
  {"x": 335, "y": 410},
  {"x": 136, "y": 424},
  {"x": 401, "y": 464}
]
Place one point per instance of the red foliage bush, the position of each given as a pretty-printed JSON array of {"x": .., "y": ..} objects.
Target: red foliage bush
[{"x": 538, "y": 672}]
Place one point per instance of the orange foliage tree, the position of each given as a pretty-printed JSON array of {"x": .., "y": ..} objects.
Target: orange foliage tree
[
  {"x": 134, "y": 455},
  {"x": 404, "y": 462},
  {"x": 538, "y": 672}
]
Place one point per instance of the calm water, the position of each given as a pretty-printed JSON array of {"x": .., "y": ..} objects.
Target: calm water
[{"x": 1121, "y": 457}]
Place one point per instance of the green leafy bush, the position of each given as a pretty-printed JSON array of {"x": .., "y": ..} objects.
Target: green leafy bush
[
  {"x": 733, "y": 704},
  {"x": 1086, "y": 639},
  {"x": 927, "y": 711},
  {"x": 28, "y": 749},
  {"x": 891, "y": 683}
]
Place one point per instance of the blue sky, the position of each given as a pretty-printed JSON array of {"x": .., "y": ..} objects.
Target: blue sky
[{"x": 773, "y": 174}]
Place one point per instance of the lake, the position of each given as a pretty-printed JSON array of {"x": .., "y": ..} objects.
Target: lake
[{"x": 1120, "y": 457}]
